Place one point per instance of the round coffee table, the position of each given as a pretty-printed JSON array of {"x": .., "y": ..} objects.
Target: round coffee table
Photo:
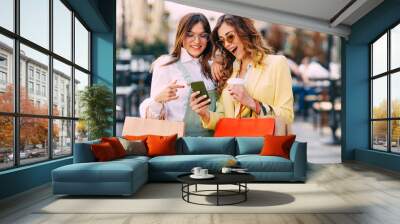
[{"x": 238, "y": 179}]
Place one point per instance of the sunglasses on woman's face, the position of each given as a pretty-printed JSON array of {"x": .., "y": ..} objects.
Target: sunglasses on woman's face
[{"x": 229, "y": 38}]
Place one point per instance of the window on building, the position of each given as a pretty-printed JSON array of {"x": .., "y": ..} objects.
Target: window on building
[
  {"x": 385, "y": 97},
  {"x": 3, "y": 72},
  {"x": 38, "y": 89},
  {"x": 44, "y": 91},
  {"x": 56, "y": 126},
  {"x": 55, "y": 101},
  {"x": 3, "y": 78},
  {"x": 62, "y": 75},
  {"x": 30, "y": 72},
  {"x": 3, "y": 61},
  {"x": 30, "y": 87},
  {"x": 37, "y": 74}
]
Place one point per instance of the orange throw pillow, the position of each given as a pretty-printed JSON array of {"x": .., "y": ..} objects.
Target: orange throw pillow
[
  {"x": 161, "y": 145},
  {"x": 135, "y": 138},
  {"x": 103, "y": 152},
  {"x": 116, "y": 145},
  {"x": 277, "y": 145}
]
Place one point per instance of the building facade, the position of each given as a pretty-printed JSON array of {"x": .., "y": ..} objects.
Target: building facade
[{"x": 34, "y": 82}]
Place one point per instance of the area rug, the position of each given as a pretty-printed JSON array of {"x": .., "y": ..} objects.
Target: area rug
[{"x": 167, "y": 198}]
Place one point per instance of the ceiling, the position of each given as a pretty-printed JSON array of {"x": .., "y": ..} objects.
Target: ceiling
[{"x": 328, "y": 16}]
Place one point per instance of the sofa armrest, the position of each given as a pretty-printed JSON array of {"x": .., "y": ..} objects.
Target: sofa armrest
[
  {"x": 83, "y": 152},
  {"x": 298, "y": 155}
]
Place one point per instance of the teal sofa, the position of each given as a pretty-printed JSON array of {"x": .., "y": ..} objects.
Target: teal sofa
[{"x": 125, "y": 176}]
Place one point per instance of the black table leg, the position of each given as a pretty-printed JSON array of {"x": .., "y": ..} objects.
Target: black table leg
[
  {"x": 188, "y": 190},
  {"x": 217, "y": 194},
  {"x": 182, "y": 190},
  {"x": 245, "y": 193}
]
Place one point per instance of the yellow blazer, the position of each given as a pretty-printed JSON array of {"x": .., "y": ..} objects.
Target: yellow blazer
[{"x": 269, "y": 83}]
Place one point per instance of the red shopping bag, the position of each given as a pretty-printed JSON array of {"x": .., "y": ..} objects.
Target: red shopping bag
[{"x": 244, "y": 127}]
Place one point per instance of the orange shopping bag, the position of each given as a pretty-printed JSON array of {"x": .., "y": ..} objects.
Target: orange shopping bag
[{"x": 244, "y": 127}]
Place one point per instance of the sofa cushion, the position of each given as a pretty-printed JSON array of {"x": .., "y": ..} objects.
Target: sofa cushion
[
  {"x": 249, "y": 145},
  {"x": 136, "y": 147},
  {"x": 161, "y": 145},
  {"x": 103, "y": 152},
  {"x": 112, "y": 171},
  {"x": 116, "y": 145},
  {"x": 206, "y": 145},
  {"x": 185, "y": 163},
  {"x": 257, "y": 163},
  {"x": 277, "y": 145}
]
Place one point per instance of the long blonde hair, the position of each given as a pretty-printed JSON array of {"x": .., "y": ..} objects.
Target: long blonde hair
[{"x": 250, "y": 37}]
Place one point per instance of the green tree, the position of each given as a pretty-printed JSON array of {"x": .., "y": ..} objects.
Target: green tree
[{"x": 97, "y": 102}]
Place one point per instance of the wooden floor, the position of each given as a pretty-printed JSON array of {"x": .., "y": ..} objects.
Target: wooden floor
[{"x": 378, "y": 189}]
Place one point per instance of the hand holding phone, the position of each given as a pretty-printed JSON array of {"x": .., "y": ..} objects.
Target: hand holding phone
[
  {"x": 199, "y": 104},
  {"x": 200, "y": 87}
]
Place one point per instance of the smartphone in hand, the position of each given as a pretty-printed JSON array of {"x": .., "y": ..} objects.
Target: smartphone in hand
[{"x": 200, "y": 86}]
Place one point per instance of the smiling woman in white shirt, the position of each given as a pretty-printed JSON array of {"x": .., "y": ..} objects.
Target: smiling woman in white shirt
[{"x": 172, "y": 74}]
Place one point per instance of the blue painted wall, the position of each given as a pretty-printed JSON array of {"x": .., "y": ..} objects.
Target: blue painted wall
[
  {"x": 102, "y": 58},
  {"x": 99, "y": 15},
  {"x": 103, "y": 50},
  {"x": 380, "y": 159},
  {"x": 355, "y": 99},
  {"x": 24, "y": 178},
  {"x": 103, "y": 64},
  {"x": 356, "y": 92}
]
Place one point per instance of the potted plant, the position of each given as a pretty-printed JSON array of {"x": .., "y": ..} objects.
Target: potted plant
[{"x": 96, "y": 103}]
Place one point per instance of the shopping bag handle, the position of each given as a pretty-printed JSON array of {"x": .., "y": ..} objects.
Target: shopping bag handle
[
  {"x": 241, "y": 109},
  {"x": 163, "y": 113}
]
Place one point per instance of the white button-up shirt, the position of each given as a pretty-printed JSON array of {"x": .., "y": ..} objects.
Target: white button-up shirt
[{"x": 163, "y": 75}]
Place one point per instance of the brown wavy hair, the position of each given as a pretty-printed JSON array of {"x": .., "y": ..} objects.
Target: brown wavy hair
[
  {"x": 185, "y": 25},
  {"x": 250, "y": 37},
  {"x": 225, "y": 59}
]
